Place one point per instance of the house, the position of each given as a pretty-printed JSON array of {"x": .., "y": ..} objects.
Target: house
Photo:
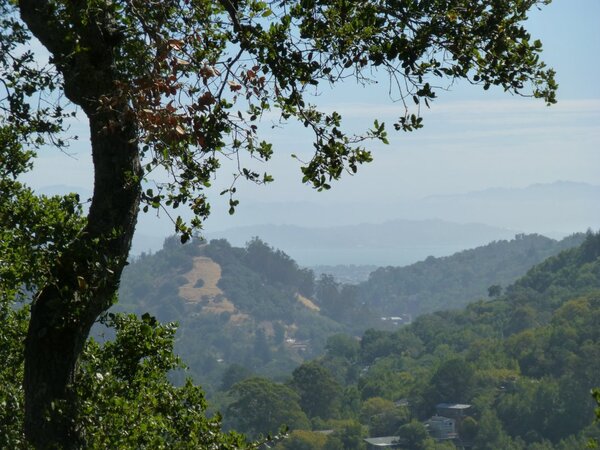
[
  {"x": 456, "y": 411},
  {"x": 402, "y": 319},
  {"x": 374, "y": 443},
  {"x": 441, "y": 428},
  {"x": 402, "y": 402}
]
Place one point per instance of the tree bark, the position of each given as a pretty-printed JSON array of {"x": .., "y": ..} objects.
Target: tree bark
[
  {"x": 85, "y": 282},
  {"x": 85, "y": 279}
]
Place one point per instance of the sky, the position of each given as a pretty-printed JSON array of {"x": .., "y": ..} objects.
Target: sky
[{"x": 472, "y": 140}]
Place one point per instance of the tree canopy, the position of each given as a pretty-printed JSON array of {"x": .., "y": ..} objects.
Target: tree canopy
[{"x": 176, "y": 86}]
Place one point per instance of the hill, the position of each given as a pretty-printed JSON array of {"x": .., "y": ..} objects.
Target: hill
[
  {"x": 526, "y": 361},
  {"x": 249, "y": 306},
  {"x": 456, "y": 280},
  {"x": 254, "y": 307},
  {"x": 514, "y": 372}
]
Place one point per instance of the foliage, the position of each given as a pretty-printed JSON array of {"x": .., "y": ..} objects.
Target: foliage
[
  {"x": 453, "y": 381},
  {"x": 191, "y": 97},
  {"x": 414, "y": 435},
  {"x": 491, "y": 435},
  {"x": 596, "y": 395},
  {"x": 257, "y": 56},
  {"x": 382, "y": 416},
  {"x": 177, "y": 86},
  {"x": 12, "y": 330},
  {"x": 348, "y": 437},
  {"x": 35, "y": 230},
  {"x": 234, "y": 374},
  {"x": 265, "y": 308},
  {"x": 527, "y": 376},
  {"x": 126, "y": 400},
  {"x": 277, "y": 267},
  {"x": 343, "y": 346},
  {"x": 454, "y": 281},
  {"x": 318, "y": 390},
  {"x": 494, "y": 290},
  {"x": 525, "y": 358},
  {"x": 262, "y": 407}
]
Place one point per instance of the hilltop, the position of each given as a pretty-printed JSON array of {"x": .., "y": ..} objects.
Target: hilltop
[{"x": 249, "y": 306}]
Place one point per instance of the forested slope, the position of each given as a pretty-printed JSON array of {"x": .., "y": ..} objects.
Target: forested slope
[
  {"x": 456, "y": 280},
  {"x": 252, "y": 307},
  {"x": 525, "y": 362},
  {"x": 256, "y": 309}
]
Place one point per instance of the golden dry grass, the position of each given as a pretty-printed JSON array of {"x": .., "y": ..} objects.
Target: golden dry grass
[
  {"x": 217, "y": 306},
  {"x": 210, "y": 272},
  {"x": 307, "y": 302},
  {"x": 238, "y": 318},
  {"x": 212, "y": 296},
  {"x": 205, "y": 269}
]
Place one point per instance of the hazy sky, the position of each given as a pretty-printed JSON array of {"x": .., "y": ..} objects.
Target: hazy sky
[{"x": 471, "y": 140}]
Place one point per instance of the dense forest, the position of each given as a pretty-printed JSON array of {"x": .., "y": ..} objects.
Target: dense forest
[
  {"x": 521, "y": 365},
  {"x": 274, "y": 345},
  {"x": 255, "y": 308},
  {"x": 454, "y": 281}
]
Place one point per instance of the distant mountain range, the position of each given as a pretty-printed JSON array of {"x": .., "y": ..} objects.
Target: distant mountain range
[
  {"x": 397, "y": 242},
  {"x": 316, "y": 233},
  {"x": 558, "y": 208},
  {"x": 551, "y": 209}
]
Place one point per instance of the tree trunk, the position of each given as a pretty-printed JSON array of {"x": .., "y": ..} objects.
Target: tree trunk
[
  {"x": 84, "y": 280},
  {"x": 84, "y": 284}
]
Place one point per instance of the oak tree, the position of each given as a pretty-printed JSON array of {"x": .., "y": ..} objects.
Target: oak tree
[{"x": 179, "y": 85}]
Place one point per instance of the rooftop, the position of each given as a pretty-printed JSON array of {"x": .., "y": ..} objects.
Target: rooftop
[
  {"x": 383, "y": 441},
  {"x": 452, "y": 406}
]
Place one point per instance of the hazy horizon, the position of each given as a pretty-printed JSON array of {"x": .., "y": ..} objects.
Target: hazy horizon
[{"x": 472, "y": 141}]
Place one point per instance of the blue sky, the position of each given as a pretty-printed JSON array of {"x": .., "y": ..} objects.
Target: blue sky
[{"x": 471, "y": 140}]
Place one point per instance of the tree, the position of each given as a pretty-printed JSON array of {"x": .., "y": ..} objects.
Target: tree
[
  {"x": 262, "y": 350},
  {"x": 262, "y": 406},
  {"x": 414, "y": 435},
  {"x": 495, "y": 290},
  {"x": 234, "y": 374},
  {"x": 342, "y": 346},
  {"x": 596, "y": 395},
  {"x": 452, "y": 382},
  {"x": 12, "y": 331},
  {"x": 329, "y": 296},
  {"x": 490, "y": 434},
  {"x": 126, "y": 400},
  {"x": 179, "y": 84},
  {"x": 124, "y": 397},
  {"x": 350, "y": 437},
  {"x": 319, "y": 391}
]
